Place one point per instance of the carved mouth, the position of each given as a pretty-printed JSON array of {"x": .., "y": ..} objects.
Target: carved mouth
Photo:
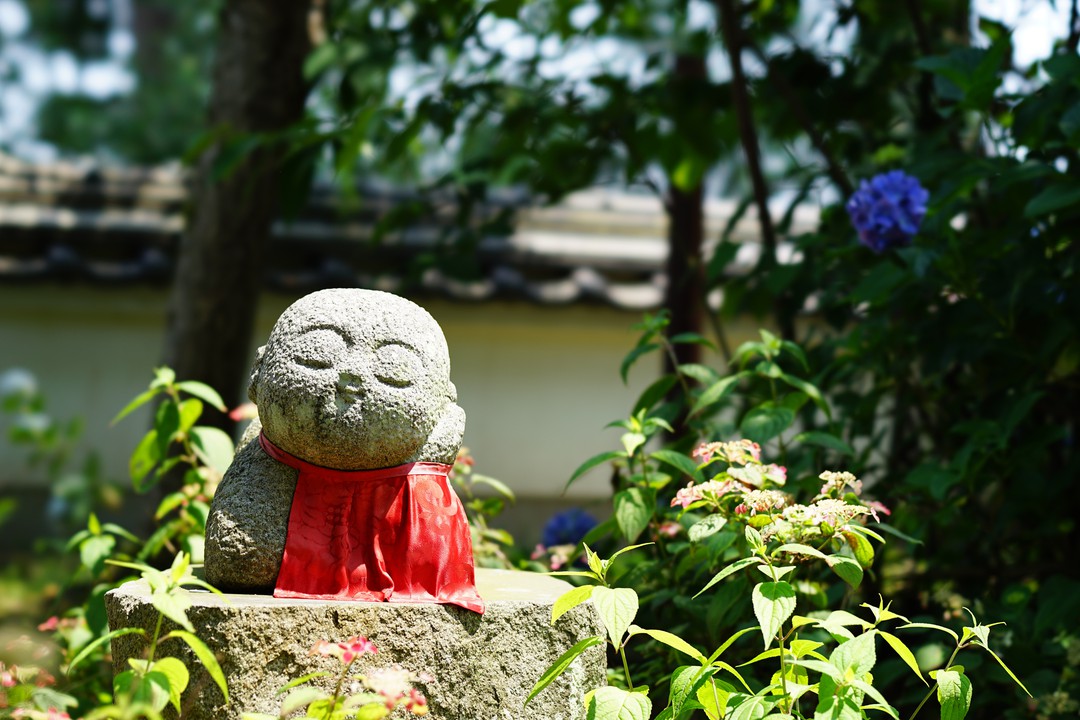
[{"x": 347, "y": 397}]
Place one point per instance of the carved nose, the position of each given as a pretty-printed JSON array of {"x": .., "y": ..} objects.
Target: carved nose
[{"x": 350, "y": 384}]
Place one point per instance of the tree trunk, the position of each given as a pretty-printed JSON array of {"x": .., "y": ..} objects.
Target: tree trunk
[
  {"x": 258, "y": 87},
  {"x": 685, "y": 294},
  {"x": 684, "y": 297}
]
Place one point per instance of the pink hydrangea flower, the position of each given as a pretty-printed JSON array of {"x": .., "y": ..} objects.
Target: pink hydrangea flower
[
  {"x": 759, "y": 501},
  {"x": 875, "y": 507},
  {"x": 737, "y": 452},
  {"x": 756, "y": 475},
  {"x": 669, "y": 529},
  {"x": 347, "y": 651},
  {"x": 692, "y": 493},
  {"x": 246, "y": 411}
]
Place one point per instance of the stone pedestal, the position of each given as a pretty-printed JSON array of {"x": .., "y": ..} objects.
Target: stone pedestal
[{"x": 482, "y": 667}]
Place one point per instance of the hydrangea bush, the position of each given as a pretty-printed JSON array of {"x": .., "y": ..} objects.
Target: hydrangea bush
[{"x": 887, "y": 210}]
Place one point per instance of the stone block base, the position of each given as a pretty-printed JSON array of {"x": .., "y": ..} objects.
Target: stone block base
[{"x": 482, "y": 667}]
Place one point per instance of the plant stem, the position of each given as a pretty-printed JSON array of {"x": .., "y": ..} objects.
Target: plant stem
[
  {"x": 154, "y": 640},
  {"x": 626, "y": 669},
  {"x": 932, "y": 690}
]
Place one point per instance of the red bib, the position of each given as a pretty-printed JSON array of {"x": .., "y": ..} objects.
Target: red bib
[{"x": 397, "y": 535}]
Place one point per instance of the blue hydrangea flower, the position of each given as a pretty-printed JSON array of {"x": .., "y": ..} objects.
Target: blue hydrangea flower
[
  {"x": 887, "y": 209},
  {"x": 567, "y": 527}
]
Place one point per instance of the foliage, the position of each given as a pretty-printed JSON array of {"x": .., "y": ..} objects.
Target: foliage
[
  {"x": 154, "y": 119},
  {"x": 490, "y": 545},
  {"x": 384, "y": 689},
  {"x": 50, "y": 444},
  {"x": 176, "y": 444},
  {"x": 792, "y": 538}
]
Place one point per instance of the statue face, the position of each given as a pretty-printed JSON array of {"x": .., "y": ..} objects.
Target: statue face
[{"x": 353, "y": 379}]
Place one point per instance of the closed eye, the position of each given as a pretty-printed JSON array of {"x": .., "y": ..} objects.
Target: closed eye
[
  {"x": 315, "y": 363},
  {"x": 397, "y": 365}
]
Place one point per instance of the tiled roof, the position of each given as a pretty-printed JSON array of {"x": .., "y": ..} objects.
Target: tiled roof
[{"x": 84, "y": 223}]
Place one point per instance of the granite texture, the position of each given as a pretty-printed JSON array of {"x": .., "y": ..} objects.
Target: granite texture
[
  {"x": 349, "y": 379},
  {"x": 482, "y": 667},
  {"x": 356, "y": 380}
]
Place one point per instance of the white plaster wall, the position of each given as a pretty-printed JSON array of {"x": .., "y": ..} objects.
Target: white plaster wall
[{"x": 538, "y": 383}]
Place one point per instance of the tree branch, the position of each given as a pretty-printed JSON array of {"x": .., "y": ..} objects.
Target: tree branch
[
  {"x": 1073, "y": 43},
  {"x": 836, "y": 173},
  {"x": 729, "y": 26}
]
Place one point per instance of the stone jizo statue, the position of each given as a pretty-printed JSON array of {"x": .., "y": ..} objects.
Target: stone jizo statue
[{"x": 340, "y": 489}]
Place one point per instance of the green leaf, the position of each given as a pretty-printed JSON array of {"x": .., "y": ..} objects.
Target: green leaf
[
  {"x": 147, "y": 454},
  {"x": 905, "y": 654},
  {"x": 213, "y": 447},
  {"x": 169, "y": 503},
  {"x": 1056, "y": 197},
  {"x": 190, "y": 412},
  {"x": 671, "y": 640},
  {"x": 570, "y": 600},
  {"x": 713, "y": 696},
  {"x": 825, "y": 440},
  {"x": 140, "y": 400},
  {"x": 728, "y": 643},
  {"x": 558, "y": 667},
  {"x": 177, "y": 674},
  {"x": 730, "y": 570},
  {"x": 612, "y": 703},
  {"x": 496, "y": 485},
  {"x": 206, "y": 657},
  {"x": 1006, "y": 669},
  {"x": 301, "y": 680},
  {"x": 617, "y": 607},
  {"x": 634, "y": 508},
  {"x": 774, "y": 602},
  {"x": 931, "y": 626},
  {"x": 300, "y": 697},
  {"x": 174, "y": 606},
  {"x": 120, "y": 532},
  {"x": 826, "y": 669},
  {"x": 954, "y": 694},
  {"x": 861, "y": 548},
  {"x": 716, "y": 392},
  {"x": 593, "y": 462},
  {"x": 655, "y": 393},
  {"x": 857, "y": 655},
  {"x": 163, "y": 377},
  {"x": 626, "y": 549},
  {"x": 151, "y": 688},
  {"x": 700, "y": 373},
  {"x": 94, "y": 550},
  {"x": 752, "y": 708},
  {"x": 166, "y": 423},
  {"x": 685, "y": 682},
  {"x": 810, "y": 390},
  {"x": 98, "y": 642},
  {"x": 800, "y": 549},
  {"x": 677, "y": 460},
  {"x": 849, "y": 570},
  {"x": 876, "y": 695},
  {"x": 765, "y": 422},
  {"x": 633, "y": 356},
  {"x": 631, "y": 441},
  {"x": 711, "y": 525}
]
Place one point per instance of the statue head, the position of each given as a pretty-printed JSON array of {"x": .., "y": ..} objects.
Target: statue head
[{"x": 357, "y": 379}]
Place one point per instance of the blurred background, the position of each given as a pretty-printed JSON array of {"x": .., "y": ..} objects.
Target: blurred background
[{"x": 539, "y": 174}]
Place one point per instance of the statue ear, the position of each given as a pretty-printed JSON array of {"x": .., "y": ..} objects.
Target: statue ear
[
  {"x": 253, "y": 379},
  {"x": 444, "y": 441}
]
